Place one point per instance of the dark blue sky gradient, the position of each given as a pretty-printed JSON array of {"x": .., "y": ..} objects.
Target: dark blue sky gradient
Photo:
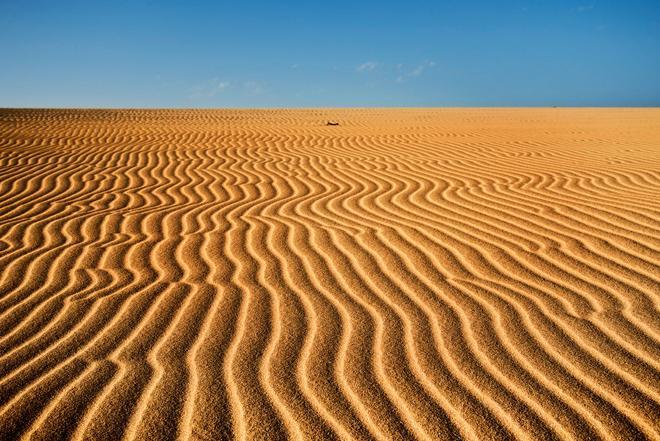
[{"x": 330, "y": 53}]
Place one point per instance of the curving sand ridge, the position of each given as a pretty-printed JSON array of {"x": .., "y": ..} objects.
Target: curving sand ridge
[{"x": 417, "y": 273}]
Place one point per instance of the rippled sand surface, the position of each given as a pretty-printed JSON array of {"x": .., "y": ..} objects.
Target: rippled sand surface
[{"x": 480, "y": 274}]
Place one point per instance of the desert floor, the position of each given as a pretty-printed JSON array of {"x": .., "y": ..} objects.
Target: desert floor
[{"x": 408, "y": 274}]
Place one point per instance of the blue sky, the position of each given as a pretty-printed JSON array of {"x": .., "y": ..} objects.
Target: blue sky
[{"x": 329, "y": 53}]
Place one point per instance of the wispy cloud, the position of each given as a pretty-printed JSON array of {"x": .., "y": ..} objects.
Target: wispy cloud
[
  {"x": 253, "y": 87},
  {"x": 210, "y": 88},
  {"x": 585, "y": 8},
  {"x": 368, "y": 66},
  {"x": 415, "y": 72},
  {"x": 215, "y": 86}
]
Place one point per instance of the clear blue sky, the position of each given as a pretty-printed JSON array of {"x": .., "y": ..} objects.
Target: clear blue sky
[{"x": 329, "y": 53}]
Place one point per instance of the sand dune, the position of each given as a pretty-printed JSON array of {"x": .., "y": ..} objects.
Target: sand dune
[{"x": 254, "y": 274}]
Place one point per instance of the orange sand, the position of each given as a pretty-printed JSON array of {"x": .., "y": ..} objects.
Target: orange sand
[{"x": 431, "y": 274}]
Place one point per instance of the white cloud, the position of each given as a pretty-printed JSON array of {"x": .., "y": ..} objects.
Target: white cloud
[
  {"x": 219, "y": 87},
  {"x": 368, "y": 66},
  {"x": 417, "y": 71},
  {"x": 253, "y": 87},
  {"x": 209, "y": 88}
]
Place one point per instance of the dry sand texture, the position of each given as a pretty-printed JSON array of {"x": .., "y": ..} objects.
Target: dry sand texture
[{"x": 429, "y": 274}]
